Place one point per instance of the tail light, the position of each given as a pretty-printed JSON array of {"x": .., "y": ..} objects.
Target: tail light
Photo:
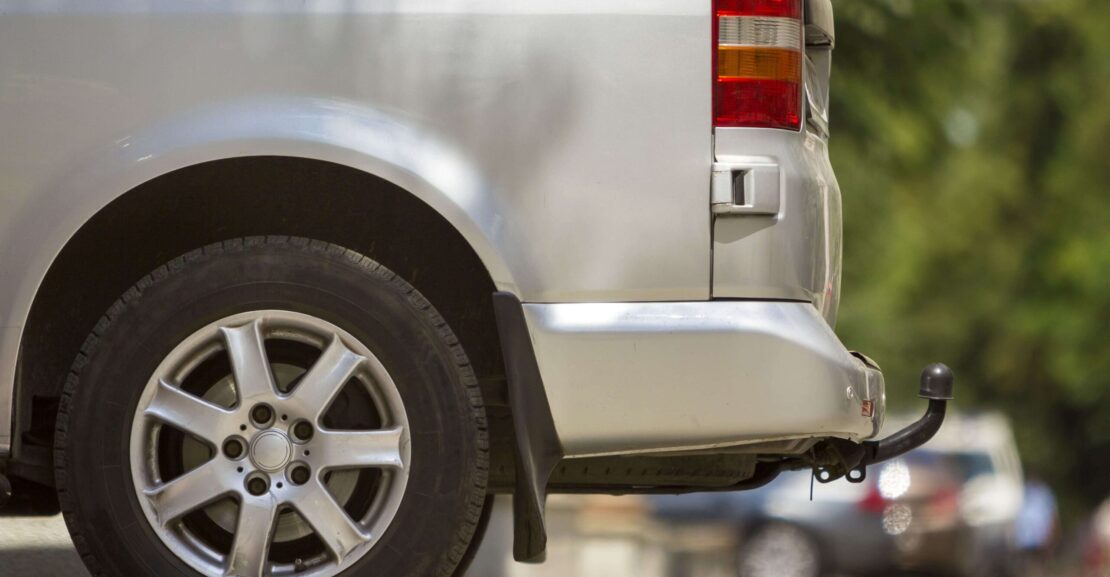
[
  {"x": 873, "y": 501},
  {"x": 944, "y": 506},
  {"x": 758, "y": 63}
]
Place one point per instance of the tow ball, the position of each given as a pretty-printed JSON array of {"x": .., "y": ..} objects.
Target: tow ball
[{"x": 850, "y": 460}]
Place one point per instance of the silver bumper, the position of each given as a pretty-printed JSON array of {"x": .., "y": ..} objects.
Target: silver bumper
[{"x": 647, "y": 377}]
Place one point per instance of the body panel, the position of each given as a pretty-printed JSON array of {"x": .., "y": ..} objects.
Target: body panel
[
  {"x": 794, "y": 253},
  {"x": 529, "y": 98},
  {"x": 524, "y": 123}
]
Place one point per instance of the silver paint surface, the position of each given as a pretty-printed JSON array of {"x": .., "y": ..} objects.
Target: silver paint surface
[{"x": 647, "y": 377}]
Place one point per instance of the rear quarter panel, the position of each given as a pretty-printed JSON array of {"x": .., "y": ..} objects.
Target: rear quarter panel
[{"x": 569, "y": 140}]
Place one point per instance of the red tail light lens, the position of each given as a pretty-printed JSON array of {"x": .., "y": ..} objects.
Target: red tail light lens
[
  {"x": 873, "y": 501},
  {"x": 944, "y": 506},
  {"x": 758, "y": 63},
  {"x": 780, "y": 8}
]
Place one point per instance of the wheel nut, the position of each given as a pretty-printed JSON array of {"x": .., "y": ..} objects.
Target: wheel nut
[
  {"x": 233, "y": 448},
  {"x": 303, "y": 430},
  {"x": 257, "y": 486},
  {"x": 261, "y": 414},
  {"x": 300, "y": 475}
]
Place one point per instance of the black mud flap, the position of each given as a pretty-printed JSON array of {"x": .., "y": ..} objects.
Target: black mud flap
[{"x": 538, "y": 449}]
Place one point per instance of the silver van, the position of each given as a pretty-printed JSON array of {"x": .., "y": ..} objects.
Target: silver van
[{"x": 291, "y": 287}]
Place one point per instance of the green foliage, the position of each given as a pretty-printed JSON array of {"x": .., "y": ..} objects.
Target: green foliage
[{"x": 971, "y": 139}]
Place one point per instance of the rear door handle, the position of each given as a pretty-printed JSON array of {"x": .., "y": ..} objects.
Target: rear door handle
[{"x": 746, "y": 188}]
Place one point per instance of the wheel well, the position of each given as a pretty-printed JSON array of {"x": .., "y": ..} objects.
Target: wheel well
[{"x": 223, "y": 199}]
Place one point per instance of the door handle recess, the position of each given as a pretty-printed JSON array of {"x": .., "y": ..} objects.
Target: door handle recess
[{"x": 746, "y": 189}]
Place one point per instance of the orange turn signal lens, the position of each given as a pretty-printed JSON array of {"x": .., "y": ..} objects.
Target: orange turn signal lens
[{"x": 758, "y": 63}]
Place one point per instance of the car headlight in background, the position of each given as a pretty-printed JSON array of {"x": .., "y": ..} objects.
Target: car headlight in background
[{"x": 894, "y": 479}]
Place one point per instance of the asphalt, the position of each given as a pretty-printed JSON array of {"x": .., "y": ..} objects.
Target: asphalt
[
  {"x": 590, "y": 537},
  {"x": 37, "y": 547},
  {"x": 41, "y": 547}
]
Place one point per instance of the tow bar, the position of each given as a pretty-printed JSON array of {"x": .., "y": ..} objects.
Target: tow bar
[{"x": 850, "y": 460}]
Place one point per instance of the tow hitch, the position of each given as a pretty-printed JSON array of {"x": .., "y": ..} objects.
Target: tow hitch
[{"x": 850, "y": 460}]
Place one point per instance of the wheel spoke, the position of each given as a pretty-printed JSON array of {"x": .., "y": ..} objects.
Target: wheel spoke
[
  {"x": 332, "y": 524},
  {"x": 191, "y": 414},
  {"x": 359, "y": 449},
  {"x": 187, "y": 493},
  {"x": 253, "y": 533},
  {"x": 253, "y": 377},
  {"x": 324, "y": 380}
]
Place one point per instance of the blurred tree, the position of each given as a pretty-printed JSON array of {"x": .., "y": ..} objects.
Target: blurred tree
[{"x": 972, "y": 143}]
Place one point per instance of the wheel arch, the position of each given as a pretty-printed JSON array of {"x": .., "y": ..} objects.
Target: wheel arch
[
  {"x": 214, "y": 200},
  {"x": 422, "y": 173}
]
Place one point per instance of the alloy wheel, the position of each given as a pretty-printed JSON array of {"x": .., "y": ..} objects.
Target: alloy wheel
[{"x": 270, "y": 443}]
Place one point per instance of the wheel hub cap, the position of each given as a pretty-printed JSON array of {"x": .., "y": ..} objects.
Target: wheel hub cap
[{"x": 271, "y": 451}]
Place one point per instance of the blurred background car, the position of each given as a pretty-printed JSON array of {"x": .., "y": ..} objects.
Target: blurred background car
[
  {"x": 1096, "y": 543},
  {"x": 1038, "y": 527},
  {"x": 950, "y": 507}
]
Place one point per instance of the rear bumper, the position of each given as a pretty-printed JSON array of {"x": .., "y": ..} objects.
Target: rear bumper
[{"x": 625, "y": 378}]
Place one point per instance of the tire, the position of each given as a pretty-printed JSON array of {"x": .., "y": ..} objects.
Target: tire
[
  {"x": 779, "y": 550},
  {"x": 476, "y": 541},
  {"x": 173, "y": 420}
]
